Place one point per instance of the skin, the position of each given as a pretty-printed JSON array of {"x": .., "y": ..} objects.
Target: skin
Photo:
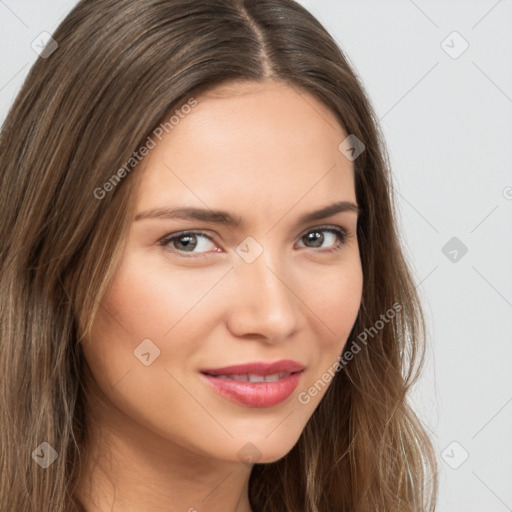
[{"x": 159, "y": 437}]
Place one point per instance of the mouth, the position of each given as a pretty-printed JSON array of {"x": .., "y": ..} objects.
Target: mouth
[
  {"x": 256, "y": 384},
  {"x": 253, "y": 377}
]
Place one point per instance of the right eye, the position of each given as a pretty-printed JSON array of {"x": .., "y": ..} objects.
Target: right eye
[{"x": 186, "y": 242}]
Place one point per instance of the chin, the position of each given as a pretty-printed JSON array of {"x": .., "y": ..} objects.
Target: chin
[{"x": 264, "y": 450}]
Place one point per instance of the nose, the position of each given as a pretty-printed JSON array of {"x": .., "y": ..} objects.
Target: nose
[{"x": 263, "y": 304}]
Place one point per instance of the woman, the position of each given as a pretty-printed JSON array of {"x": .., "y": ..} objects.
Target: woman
[{"x": 170, "y": 338}]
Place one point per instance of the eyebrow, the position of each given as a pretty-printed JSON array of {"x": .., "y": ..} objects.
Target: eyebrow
[{"x": 225, "y": 218}]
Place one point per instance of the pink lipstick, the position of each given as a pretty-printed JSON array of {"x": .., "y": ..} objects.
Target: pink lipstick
[{"x": 257, "y": 384}]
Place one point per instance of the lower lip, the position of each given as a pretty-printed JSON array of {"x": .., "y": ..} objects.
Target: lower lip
[{"x": 255, "y": 394}]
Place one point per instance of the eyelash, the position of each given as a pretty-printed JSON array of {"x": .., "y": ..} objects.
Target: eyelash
[{"x": 339, "y": 232}]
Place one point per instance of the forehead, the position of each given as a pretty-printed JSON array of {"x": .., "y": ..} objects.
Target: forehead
[{"x": 267, "y": 144}]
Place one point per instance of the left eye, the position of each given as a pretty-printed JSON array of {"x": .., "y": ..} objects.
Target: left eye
[
  {"x": 335, "y": 235},
  {"x": 188, "y": 241}
]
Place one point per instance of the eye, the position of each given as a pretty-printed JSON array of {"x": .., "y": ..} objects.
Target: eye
[
  {"x": 335, "y": 237},
  {"x": 187, "y": 241}
]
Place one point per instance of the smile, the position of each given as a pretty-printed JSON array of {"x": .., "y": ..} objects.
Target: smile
[{"x": 255, "y": 384}]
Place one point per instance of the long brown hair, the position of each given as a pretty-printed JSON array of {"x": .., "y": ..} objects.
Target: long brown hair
[{"x": 86, "y": 107}]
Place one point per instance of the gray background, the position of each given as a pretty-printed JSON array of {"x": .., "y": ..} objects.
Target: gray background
[{"x": 446, "y": 116}]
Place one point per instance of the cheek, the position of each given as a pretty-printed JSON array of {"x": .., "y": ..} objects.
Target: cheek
[
  {"x": 166, "y": 308},
  {"x": 334, "y": 299},
  {"x": 152, "y": 301}
]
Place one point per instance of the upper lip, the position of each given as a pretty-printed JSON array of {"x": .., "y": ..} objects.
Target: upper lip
[{"x": 257, "y": 368}]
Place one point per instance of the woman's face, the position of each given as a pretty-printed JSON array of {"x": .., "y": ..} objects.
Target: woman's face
[{"x": 273, "y": 287}]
